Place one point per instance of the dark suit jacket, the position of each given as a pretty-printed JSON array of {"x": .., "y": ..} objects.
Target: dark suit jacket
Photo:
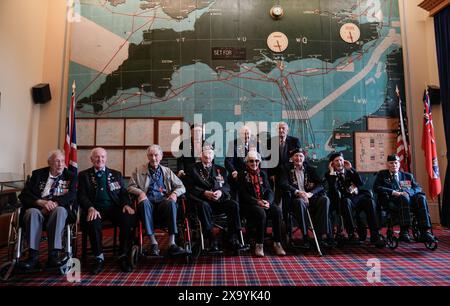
[
  {"x": 337, "y": 184},
  {"x": 312, "y": 183},
  {"x": 247, "y": 193},
  {"x": 384, "y": 184},
  {"x": 186, "y": 162},
  {"x": 65, "y": 196},
  {"x": 291, "y": 143},
  {"x": 87, "y": 188},
  {"x": 236, "y": 162},
  {"x": 197, "y": 185}
]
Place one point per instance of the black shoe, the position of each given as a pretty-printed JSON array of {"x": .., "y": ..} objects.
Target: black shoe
[
  {"x": 154, "y": 250},
  {"x": 427, "y": 237},
  {"x": 124, "y": 264},
  {"x": 353, "y": 239},
  {"x": 362, "y": 235},
  {"x": 175, "y": 250},
  {"x": 97, "y": 266},
  {"x": 32, "y": 263},
  {"x": 377, "y": 241},
  {"x": 236, "y": 246},
  {"x": 54, "y": 262},
  {"x": 214, "y": 247},
  {"x": 405, "y": 237},
  {"x": 328, "y": 243}
]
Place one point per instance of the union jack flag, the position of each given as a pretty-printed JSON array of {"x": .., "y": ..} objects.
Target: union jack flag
[{"x": 70, "y": 144}]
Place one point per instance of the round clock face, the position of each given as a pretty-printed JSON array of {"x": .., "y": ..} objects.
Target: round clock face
[
  {"x": 350, "y": 33},
  {"x": 276, "y": 11},
  {"x": 277, "y": 42}
]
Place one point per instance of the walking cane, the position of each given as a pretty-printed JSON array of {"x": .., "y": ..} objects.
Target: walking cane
[{"x": 314, "y": 232}]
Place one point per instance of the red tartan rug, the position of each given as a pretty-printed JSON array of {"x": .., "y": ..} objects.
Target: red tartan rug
[{"x": 408, "y": 265}]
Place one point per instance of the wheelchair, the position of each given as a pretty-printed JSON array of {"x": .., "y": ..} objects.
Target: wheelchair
[
  {"x": 388, "y": 213},
  {"x": 17, "y": 244},
  {"x": 183, "y": 239},
  {"x": 338, "y": 221},
  {"x": 219, "y": 222},
  {"x": 288, "y": 227}
]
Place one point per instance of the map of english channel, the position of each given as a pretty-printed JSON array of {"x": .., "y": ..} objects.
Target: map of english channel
[{"x": 142, "y": 58}]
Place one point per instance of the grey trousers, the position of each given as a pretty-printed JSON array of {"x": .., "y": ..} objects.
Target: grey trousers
[{"x": 55, "y": 223}]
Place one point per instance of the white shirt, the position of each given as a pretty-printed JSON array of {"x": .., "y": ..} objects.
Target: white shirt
[
  {"x": 300, "y": 175},
  {"x": 51, "y": 179}
]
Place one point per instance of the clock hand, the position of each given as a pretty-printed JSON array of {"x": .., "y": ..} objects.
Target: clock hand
[
  {"x": 351, "y": 37},
  {"x": 279, "y": 46}
]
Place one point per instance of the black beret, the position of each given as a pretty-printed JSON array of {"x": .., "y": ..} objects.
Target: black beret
[
  {"x": 295, "y": 151},
  {"x": 334, "y": 155},
  {"x": 393, "y": 157}
]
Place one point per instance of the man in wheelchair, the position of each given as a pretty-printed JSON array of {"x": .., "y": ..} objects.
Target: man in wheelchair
[
  {"x": 47, "y": 200},
  {"x": 209, "y": 192},
  {"x": 401, "y": 189},
  {"x": 157, "y": 189},
  {"x": 305, "y": 191},
  {"x": 344, "y": 184}
]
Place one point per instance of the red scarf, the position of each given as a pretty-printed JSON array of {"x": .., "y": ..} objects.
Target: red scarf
[{"x": 256, "y": 181}]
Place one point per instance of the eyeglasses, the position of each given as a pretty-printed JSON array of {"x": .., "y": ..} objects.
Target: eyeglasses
[{"x": 253, "y": 161}]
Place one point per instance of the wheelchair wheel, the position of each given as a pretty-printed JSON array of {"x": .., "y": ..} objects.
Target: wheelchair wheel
[
  {"x": 134, "y": 256},
  {"x": 391, "y": 240},
  {"x": 6, "y": 271},
  {"x": 432, "y": 246}
]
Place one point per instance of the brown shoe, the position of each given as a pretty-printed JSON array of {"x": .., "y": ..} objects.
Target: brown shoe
[
  {"x": 279, "y": 251},
  {"x": 259, "y": 250}
]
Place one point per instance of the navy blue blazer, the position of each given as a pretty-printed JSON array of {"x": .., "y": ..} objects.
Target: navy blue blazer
[
  {"x": 87, "y": 188},
  {"x": 65, "y": 194},
  {"x": 312, "y": 183},
  {"x": 247, "y": 192},
  {"x": 385, "y": 184}
]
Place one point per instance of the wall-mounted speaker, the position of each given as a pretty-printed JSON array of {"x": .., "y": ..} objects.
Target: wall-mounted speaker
[
  {"x": 41, "y": 93},
  {"x": 435, "y": 94}
]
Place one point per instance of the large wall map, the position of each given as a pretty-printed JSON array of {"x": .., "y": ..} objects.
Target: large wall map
[{"x": 136, "y": 58}]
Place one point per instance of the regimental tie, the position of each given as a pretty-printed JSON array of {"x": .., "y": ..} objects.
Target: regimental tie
[
  {"x": 54, "y": 186},
  {"x": 395, "y": 182}
]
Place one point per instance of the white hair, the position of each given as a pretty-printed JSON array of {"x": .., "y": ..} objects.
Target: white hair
[
  {"x": 53, "y": 153},
  {"x": 283, "y": 123},
  {"x": 253, "y": 154},
  {"x": 97, "y": 149},
  {"x": 155, "y": 147}
]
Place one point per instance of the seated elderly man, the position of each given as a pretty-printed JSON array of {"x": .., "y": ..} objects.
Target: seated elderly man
[
  {"x": 157, "y": 189},
  {"x": 209, "y": 192},
  {"x": 307, "y": 193},
  {"x": 47, "y": 199},
  {"x": 102, "y": 196},
  {"x": 400, "y": 188}
]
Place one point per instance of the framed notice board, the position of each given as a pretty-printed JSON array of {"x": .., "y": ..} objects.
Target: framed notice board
[
  {"x": 126, "y": 139},
  {"x": 372, "y": 148}
]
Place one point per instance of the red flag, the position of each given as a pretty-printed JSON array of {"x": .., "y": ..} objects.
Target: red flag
[
  {"x": 429, "y": 148},
  {"x": 403, "y": 151},
  {"x": 70, "y": 145}
]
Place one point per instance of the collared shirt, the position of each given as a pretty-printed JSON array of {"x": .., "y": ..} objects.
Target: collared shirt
[
  {"x": 156, "y": 189},
  {"x": 300, "y": 176},
  {"x": 51, "y": 184}
]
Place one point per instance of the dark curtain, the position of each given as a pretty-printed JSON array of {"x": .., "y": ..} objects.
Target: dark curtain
[{"x": 442, "y": 28}]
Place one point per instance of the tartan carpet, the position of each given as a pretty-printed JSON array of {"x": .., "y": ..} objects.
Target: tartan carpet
[{"x": 408, "y": 265}]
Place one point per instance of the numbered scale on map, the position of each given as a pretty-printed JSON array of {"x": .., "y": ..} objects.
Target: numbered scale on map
[
  {"x": 277, "y": 42},
  {"x": 350, "y": 33}
]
